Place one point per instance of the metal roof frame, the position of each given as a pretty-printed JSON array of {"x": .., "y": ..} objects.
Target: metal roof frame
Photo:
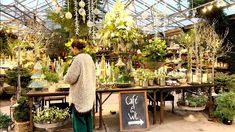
[{"x": 25, "y": 10}]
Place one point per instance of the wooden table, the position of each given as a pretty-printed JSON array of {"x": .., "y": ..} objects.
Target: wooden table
[
  {"x": 31, "y": 94},
  {"x": 100, "y": 101},
  {"x": 154, "y": 89}
]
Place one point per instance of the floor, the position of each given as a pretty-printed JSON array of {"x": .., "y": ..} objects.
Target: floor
[{"x": 173, "y": 122}]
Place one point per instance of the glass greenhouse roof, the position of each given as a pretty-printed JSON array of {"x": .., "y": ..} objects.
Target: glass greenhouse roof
[{"x": 151, "y": 15}]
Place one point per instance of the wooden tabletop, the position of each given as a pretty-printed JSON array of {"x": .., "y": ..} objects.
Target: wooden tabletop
[
  {"x": 156, "y": 87},
  {"x": 34, "y": 93}
]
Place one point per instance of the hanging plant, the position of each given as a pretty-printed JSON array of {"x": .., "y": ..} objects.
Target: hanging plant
[
  {"x": 119, "y": 30},
  {"x": 155, "y": 50}
]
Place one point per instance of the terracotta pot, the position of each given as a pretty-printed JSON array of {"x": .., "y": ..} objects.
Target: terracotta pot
[{"x": 145, "y": 83}]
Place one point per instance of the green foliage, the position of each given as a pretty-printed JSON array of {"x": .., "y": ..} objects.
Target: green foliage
[
  {"x": 5, "y": 40},
  {"x": 123, "y": 75},
  {"x": 52, "y": 114},
  {"x": 12, "y": 76},
  {"x": 155, "y": 50},
  {"x": 68, "y": 24},
  {"x": 197, "y": 101},
  {"x": 231, "y": 83},
  {"x": 21, "y": 113},
  {"x": 51, "y": 77},
  {"x": 55, "y": 47},
  {"x": 5, "y": 120},
  {"x": 187, "y": 38},
  {"x": 225, "y": 106},
  {"x": 5, "y": 49},
  {"x": 222, "y": 78}
]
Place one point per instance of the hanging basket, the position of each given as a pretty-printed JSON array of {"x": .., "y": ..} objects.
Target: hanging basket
[{"x": 153, "y": 64}]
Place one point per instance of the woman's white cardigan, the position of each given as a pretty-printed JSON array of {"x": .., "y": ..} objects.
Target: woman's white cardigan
[{"x": 82, "y": 79}]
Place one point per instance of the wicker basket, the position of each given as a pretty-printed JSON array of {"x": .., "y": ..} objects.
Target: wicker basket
[
  {"x": 22, "y": 126},
  {"x": 51, "y": 126}
]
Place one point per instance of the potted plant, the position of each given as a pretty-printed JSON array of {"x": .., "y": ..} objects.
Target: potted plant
[
  {"x": 52, "y": 78},
  {"x": 230, "y": 83},
  {"x": 193, "y": 103},
  {"x": 50, "y": 118},
  {"x": 222, "y": 80},
  {"x": 151, "y": 78},
  {"x": 154, "y": 51},
  {"x": 21, "y": 115},
  {"x": 225, "y": 107},
  {"x": 12, "y": 77},
  {"x": 197, "y": 101},
  {"x": 5, "y": 121}
]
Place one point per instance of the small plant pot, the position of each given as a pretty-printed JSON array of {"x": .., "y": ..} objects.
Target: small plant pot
[
  {"x": 145, "y": 83},
  {"x": 141, "y": 82},
  {"x": 151, "y": 82},
  {"x": 137, "y": 82},
  {"x": 227, "y": 122},
  {"x": 162, "y": 82},
  {"x": 52, "y": 88},
  {"x": 182, "y": 81}
]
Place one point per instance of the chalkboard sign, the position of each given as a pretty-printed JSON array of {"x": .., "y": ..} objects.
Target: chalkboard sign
[{"x": 133, "y": 110}]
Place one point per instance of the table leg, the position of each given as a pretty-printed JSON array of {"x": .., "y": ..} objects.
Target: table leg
[
  {"x": 183, "y": 95},
  {"x": 100, "y": 112},
  {"x": 96, "y": 103},
  {"x": 30, "y": 114},
  {"x": 155, "y": 108},
  {"x": 161, "y": 107},
  {"x": 210, "y": 102}
]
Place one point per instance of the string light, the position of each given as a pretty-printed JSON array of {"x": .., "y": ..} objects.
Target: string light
[
  {"x": 209, "y": 8},
  {"x": 82, "y": 11},
  {"x": 89, "y": 23},
  {"x": 76, "y": 17},
  {"x": 204, "y": 10}
]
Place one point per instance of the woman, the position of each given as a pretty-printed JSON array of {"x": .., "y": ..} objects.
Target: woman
[{"x": 82, "y": 79}]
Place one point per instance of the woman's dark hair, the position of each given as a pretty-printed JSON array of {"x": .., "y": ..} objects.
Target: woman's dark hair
[{"x": 79, "y": 44}]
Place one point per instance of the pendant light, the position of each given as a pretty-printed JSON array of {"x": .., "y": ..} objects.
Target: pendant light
[{"x": 68, "y": 14}]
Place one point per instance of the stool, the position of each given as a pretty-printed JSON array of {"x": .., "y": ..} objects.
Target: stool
[{"x": 51, "y": 98}]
